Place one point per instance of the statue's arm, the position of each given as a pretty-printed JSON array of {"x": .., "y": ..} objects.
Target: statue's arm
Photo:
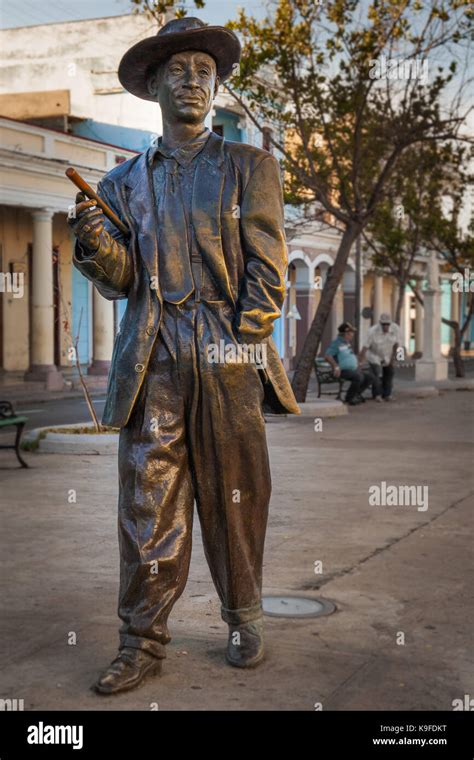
[
  {"x": 262, "y": 226},
  {"x": 101, "y": 252}
]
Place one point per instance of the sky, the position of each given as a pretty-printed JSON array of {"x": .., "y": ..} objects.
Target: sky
[{"x": 32, "y": 12}]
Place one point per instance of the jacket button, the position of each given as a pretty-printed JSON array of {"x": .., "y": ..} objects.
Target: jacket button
[
  {"x": 139, "y": 367},
  {"x": 150, "y": 330}
]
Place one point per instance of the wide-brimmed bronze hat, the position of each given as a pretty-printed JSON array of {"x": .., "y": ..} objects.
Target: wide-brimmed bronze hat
[{"x": 175, "y": 37}]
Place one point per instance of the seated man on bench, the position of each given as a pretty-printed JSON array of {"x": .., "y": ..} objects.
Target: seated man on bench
[{"x": 341, "y": 357}]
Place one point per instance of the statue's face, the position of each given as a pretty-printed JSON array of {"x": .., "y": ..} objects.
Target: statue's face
[{"x": 185, "y": 86}]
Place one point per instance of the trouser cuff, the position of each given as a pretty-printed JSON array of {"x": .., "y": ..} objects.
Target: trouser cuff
[
  {"x": 154, "y": 648},
  {"x": 242, "y": 615}
]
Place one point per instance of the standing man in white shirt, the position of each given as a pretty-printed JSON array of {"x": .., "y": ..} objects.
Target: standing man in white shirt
[{"x": 380, "y": 347}]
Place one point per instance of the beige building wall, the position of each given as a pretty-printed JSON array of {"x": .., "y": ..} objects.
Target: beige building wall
[
  {"x": 33, "y": 184},
  {"x": 16, "y": 236},
  {"x": 82, "y": 57}
]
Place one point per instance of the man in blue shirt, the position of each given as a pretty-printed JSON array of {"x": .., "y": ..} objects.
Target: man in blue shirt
[{"x": 345, "y": 364}]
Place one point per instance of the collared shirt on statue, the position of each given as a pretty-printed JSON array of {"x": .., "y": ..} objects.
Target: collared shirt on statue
[
  {"x": 173, "y": 179},
  {"x": 184, "y": 156}
]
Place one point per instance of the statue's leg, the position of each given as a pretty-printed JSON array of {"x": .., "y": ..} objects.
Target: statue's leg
[
  {"x": 230, "y": 461},
  {"x": 155, "y": 507}
]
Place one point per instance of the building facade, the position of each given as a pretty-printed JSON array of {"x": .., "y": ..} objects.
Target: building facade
[{"x": 61, "y": 104}]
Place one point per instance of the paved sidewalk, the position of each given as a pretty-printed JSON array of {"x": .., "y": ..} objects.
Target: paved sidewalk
[
  {"x": 389, "y": 570},
  {"x": 18, "y": 391}
]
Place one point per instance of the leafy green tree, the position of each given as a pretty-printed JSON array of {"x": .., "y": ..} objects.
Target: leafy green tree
[
  {"x": 420, "y": 213},
  {"x": 161, "y": 9},
  {"x": 355, "y": 86}
]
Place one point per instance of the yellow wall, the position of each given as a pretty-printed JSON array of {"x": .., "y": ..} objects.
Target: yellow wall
[{"x": 16, "y": 231}]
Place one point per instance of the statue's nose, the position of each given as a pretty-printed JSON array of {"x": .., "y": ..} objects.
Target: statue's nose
[{"x": 191, "y": 79}]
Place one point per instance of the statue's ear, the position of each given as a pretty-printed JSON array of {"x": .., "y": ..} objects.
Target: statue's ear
[
  {"x": 152, "y": 82},
  {"x": 216, "y": 85}
]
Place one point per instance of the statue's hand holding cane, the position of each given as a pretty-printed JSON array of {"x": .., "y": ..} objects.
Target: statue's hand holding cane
[
  {"x": 87, "y": 222},
  {"x": 87, "y": 219}
]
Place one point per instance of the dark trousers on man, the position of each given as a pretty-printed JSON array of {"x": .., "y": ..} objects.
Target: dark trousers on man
[
  {"x": 359, "y": 382},
  {"x": 196, "y": 434},
  {"x": 383, "y": 380}
]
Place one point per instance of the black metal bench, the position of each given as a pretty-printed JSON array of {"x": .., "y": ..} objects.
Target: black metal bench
[
  {"x": 325, "y": 376},
  {"x": 8, "y": 418}
]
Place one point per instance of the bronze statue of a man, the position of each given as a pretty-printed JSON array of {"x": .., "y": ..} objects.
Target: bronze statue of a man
[{"x": 203, "y": 267}]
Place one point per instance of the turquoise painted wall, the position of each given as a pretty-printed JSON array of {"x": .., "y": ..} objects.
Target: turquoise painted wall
[
  {"x": 123, "y": 137},
  {"x": 121, "y": 306},
  {"x": 279, "y": 335},
  {"x": 469, "y": 335},
  {"x": 229, "y": 121},
  {"x": 445, "y": 310},
  {"x": 81, "y": 300}
]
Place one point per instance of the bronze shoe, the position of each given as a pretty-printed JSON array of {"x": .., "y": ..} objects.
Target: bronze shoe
[
  {"x": 127, "y": 671},
  {"x": 245, "y": 645}
]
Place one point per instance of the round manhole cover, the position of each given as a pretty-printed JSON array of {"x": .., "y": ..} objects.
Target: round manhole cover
[{"x": 296, "y": 606}]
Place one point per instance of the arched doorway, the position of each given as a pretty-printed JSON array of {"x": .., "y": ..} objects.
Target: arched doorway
[{"x": 298, "y": 309}]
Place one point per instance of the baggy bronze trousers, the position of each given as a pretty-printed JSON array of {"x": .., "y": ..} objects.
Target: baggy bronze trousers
[{"x": 196, "y": 434}]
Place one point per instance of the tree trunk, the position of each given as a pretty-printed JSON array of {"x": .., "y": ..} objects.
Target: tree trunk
[
  {"x": 457, "y": 359},
  {"x": 313, "y": 338},
  {"x": 398, "y": 310}
]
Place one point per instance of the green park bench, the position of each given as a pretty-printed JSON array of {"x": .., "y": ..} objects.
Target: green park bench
[
  {"x": 8, "y": 418},
  {"x": 325, "y": 376}
]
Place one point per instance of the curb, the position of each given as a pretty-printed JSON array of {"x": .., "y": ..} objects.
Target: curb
[
  {"x": 423, "y": 391},
  {"x": 323, "y": 409},
  {"x": 105, "y": 444}
]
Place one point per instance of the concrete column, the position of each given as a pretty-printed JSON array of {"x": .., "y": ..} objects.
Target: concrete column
[
  {"x": 42, "y": 327},
  {"x": 455, "y": 306},
  {"x": 378, "y": 297},
  {"x": 337, "y": 311},
  {"x": 103, "y": 334},
  {"x": 290, "y": 315},
  {"x": 419, "y": 322},
  {"x": 433, "y": 366}
]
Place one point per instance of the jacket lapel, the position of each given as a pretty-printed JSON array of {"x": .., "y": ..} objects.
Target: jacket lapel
[
  {"x": 142, "y": 206},
  {"x": 206, "y": 209}
]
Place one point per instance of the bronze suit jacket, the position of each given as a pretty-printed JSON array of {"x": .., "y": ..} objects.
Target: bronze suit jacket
[{"x": 237, "y": 214}]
